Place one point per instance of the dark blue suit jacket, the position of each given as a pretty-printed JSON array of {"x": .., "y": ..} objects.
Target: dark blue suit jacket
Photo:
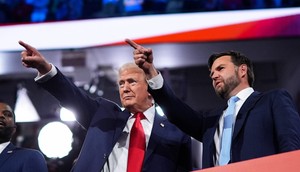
[
  {"x": 168, "y": 148},
  {"x": 15, "y": 159},
  {"x": 267, "y": 123}
]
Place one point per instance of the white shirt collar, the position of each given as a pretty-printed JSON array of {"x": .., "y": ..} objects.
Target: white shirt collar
[
  {"x": 245, "y": 93},
  {"x": 148, "y": 114},
  {"x": 3, "y": 146}
]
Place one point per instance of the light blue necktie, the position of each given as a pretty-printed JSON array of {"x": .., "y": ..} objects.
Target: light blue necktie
[{"x": 227, "y": 132}]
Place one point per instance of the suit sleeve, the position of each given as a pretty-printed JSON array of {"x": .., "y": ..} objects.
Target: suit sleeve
[
  {"x": 185, "y": 159},
  {"x": 286, "y": 121},
  {"x": 179, "y": 113},
  {"x": 35, "y": 162},
  {"x": 71, "y": 97}
]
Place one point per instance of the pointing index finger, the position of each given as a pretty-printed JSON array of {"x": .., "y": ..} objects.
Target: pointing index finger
[
  {"x": 132, "y": 43},
  {"x": 26, "y": 46}
]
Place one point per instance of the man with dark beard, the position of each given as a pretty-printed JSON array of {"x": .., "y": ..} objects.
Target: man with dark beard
[
  {"x": 262, "y": 123},
  {"x": 12, "y": 158}
]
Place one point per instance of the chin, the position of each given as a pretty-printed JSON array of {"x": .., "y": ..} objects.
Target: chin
[{"x": 127, "y": 105}]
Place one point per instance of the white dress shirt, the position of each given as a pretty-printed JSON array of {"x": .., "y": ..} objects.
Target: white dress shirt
[
  {"x": 3, "y": 146},
  {"x": 43, "y": 78},
  {"x": 117, "y": 160}
]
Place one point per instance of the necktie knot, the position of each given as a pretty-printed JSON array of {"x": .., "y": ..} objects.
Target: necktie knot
[
  {"x": 233, "y": 99},
  {"x": 139, "y": 116}
]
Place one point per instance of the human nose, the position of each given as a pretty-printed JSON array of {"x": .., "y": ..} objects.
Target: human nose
[
  {"x": 126, "y": 87},
  {"x": 214, "y": 75},
  {"x": 2, "y": 115}
]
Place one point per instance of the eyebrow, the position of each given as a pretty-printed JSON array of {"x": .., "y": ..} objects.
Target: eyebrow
[
  {"x": 6, "y": 110},
  {"x": 216, "y": 68},
  {"x": 211, "y": 74}
]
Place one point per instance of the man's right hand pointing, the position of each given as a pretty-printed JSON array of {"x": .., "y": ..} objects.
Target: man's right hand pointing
[{"x": 143, "y": 57}]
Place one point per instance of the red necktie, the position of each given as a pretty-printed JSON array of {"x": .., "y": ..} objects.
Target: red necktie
[{"x": 137, "y": 145}]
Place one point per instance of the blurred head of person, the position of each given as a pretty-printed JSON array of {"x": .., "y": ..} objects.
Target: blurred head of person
[{"x": 7, "y": 122}]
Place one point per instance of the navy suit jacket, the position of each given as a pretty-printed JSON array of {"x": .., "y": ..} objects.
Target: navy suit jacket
[
  {"x": 15, "y": 159},
  {"x": 168, "y": 148},
  {"x": 267, "y": 123}
]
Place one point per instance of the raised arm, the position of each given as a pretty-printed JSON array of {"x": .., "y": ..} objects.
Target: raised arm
[
  {"x": 32, "y": 58},
  {"x": 143, "y": 57}
]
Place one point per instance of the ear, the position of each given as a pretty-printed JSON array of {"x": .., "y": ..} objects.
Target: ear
[
  {"x": 243, "y": 70},
  {"x": 15, "y": 128}
]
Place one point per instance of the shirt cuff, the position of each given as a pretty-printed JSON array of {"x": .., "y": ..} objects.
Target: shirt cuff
[
  {"x": 43, "y": 78},
  {"x": 156, "y": 82}
]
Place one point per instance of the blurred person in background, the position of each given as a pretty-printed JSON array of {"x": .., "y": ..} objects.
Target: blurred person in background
[{"x": 12, "y": 158}]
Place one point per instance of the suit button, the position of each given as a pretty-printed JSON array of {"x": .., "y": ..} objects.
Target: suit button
[{"x": 104, "y": 156}]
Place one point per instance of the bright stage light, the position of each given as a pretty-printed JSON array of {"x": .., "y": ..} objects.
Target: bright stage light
[
  {"x": 67, "y": 115},
  {"x": 55, "y": 140},
  {"x": 24, "y": 108}
]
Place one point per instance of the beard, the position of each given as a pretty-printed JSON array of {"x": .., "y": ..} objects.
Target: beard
[
  {"x": 229, "y": 84},
  {"x": 6, "y": 133}
]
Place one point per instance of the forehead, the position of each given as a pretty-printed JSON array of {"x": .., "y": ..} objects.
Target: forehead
[
  {"x": 5, "y": 107},
  {"x": 221, "y": 60},
  {"x": 130, "y": 72}
]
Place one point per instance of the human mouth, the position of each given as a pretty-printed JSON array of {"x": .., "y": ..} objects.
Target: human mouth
[
  {"x": 127, "y": 97},
  {"x": 2, "y": 124},
  {"x": 217, "y": 84}
]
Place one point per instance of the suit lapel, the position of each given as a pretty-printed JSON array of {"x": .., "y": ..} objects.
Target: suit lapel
[
  {"x": 209, "y": 149},
  {"x": 121, "y": 120},
  {"x": 158, "y": 132},
  {"x": 244, "y": 111},
  {"x": 7, "y": 152}
]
